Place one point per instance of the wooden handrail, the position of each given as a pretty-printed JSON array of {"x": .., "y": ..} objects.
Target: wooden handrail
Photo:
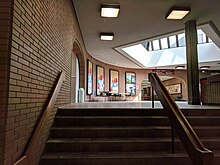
[
  {"x": 27, "y": 158},
  {"x": 194, "y": 147}
]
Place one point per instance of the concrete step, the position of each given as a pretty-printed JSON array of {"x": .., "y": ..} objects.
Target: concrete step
[
  {"x": 133, "y": 112},
  {"x": 111, "y": 145},
  {"x": 111, "y": 112},
  {"x": 129, "y": 131},
  {"x": 111, "y": 121},
  {"x": 131, "y": 120},
  {"x": 102, "y": 132},
  {"x": 121, "y": 144},
  {"x": 116, "y": 158}
]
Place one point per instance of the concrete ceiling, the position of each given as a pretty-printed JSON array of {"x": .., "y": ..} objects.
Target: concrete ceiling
[{"x": 138, "y": 20}]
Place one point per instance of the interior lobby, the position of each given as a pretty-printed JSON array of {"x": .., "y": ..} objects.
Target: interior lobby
[{"x": 66, "y": 67}]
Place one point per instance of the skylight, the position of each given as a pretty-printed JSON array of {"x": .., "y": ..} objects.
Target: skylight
[
  {"x": 170, "y": 51},
  {"x": 138, "y": 52}
]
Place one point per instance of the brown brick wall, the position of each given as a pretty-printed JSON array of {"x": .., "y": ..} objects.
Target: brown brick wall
[
  {"x": 43, "y": 34},
  {"x": 5, "y": 42}
]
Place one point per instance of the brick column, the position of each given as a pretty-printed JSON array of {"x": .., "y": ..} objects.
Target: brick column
[{"x": 192, "y": 63}]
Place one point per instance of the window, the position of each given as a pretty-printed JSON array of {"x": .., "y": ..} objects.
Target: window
[
  {"x": 201, "y": 36},
  {"x": 164, "y": 43},
  {"x": 172, "y": 41},
  {"x": 100, "y": 84},
  {"x": 181, "y": 39},
  {"x": 130, "y": 83},
  {"x": 156, "y": 45},
  {"x": 113, "y": 83},
  {"x": 150, "y": 46}
]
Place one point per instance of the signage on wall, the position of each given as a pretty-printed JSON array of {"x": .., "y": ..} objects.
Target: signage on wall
[{"x": 164, "y": 71}]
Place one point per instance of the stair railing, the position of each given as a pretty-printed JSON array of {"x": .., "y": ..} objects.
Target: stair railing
[
  {"x": 29, "y": 154},
  {"x": 194, "y": 147}
]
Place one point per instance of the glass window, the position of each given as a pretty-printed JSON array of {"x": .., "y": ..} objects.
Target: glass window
[
  {"x": 201, "y": 36},
  {"x": 156, "y": 45},
  {"x": 172, "y": 40},
  {"x": 181, "y": 39},
  {"x": 150, "y": 46},
  {"x": 164, "y": 43}
]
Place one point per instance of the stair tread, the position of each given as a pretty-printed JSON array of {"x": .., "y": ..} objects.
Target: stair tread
[
  {"x": 97, "y": 117},
  {"x": 113, "y": 155},
  {"x": 131, "y": 116},
  {"x": 124, "y": 127},
  {"x": 108, "y": 127},
  {"x": 106, "y": 140},
  {"x": 124, "y": 140}
]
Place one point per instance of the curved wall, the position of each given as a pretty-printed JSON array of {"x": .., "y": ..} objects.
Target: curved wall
[{"x": 141, "y": 74}]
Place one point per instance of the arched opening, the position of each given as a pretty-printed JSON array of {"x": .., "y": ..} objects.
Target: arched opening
[
  {"x": 74, "y": 79},
  {"x": 171, "y": 82},
  {"x": 77, "y": 72}
]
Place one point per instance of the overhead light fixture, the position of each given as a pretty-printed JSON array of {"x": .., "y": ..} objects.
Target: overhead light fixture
[
  {"x": 177, "y": 13},
  {"x": 107, "y": 36},
  {"x": 179, "y": 67},
  {"x": 110, "y": 10},
  {"x": 204, "y": 67}
]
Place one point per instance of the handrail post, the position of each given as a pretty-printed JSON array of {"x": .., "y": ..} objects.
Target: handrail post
[
  {"x": 173, "y": 140},
  {"x": 152, "y": 97}
]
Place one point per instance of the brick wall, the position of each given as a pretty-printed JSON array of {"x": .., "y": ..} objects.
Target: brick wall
[
  {"x": 5, "y": 37},
  {"x": 42, "y": 42}
]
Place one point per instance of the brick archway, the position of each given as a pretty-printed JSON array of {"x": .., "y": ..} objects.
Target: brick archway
[{"x": 78, "y": 52}]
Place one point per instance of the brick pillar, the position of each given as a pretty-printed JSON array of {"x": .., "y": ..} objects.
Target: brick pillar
[{"x": 192, "y": 63}]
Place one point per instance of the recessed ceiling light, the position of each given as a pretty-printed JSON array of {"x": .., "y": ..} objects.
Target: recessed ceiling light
[
  {"x": 110, "y": 10},
  {"x": 107, "y": 36},
  {"x": 204, "y": 67},
  {"x": 177, "y": 13}
]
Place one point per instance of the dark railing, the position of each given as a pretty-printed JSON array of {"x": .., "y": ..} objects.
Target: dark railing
[
  {"x": 194, "y": 147},
  {"x": 29, "y": 154}
]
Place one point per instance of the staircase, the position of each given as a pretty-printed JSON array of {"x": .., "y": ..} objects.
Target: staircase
[{"x": 125, "y": 137}]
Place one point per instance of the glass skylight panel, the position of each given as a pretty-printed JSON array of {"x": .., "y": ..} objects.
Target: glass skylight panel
[
  {"x": 139, "y": 53},
  {"x": 181, "y": 39},
  {"x": 172, "y": 40},
  {"x": 201, "y": 36},
  {"x": 160, "y": 52},
  {"x": 150, "y": 46},
  {"x": 164, "y": 43},
  {"x": 156, "y": 45}
]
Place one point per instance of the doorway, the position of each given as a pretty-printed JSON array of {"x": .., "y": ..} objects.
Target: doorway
[{"x": 74, "y": 79}]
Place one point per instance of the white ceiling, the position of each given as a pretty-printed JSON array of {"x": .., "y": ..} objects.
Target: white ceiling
[{"x": 138, "y": 20}]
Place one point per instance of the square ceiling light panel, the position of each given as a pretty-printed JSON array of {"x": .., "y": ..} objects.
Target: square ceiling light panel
[
  {"x": 110, "y": 10},
  {"x": 176, "y": 13},
  {"x": 107, "y": 36}
]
